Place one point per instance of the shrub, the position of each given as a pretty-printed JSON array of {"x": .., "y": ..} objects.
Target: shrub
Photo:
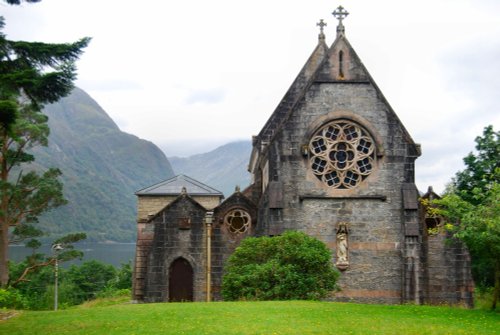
[
  {"x": 89, "y": 278},
  {"x": 12, "y": 299},
  {"x": 287, "y": 267}
]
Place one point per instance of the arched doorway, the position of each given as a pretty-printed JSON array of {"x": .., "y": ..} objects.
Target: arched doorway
[{"x": 180, "y": 281}]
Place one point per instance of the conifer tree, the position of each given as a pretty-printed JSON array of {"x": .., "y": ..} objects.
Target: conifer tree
[{"x": 31, "y": 74}]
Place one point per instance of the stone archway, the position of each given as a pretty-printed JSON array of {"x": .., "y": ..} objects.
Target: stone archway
[{"x": 180, "y": 281}]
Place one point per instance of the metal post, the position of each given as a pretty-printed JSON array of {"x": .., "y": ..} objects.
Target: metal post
[
  {"x": 57, "y": 248},
  {"x": 55, "y": 285},
  {"x": 208, "y": 221}
]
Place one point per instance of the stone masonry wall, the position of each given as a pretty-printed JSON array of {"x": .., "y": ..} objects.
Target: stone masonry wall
[
  {"x": 147, "y": 206},
  {"x": 448, "y": 276},
  {"x": 150, "y": 205},
  {"x": 171, "y": 242},
  {"x": 373, "y": 210}
]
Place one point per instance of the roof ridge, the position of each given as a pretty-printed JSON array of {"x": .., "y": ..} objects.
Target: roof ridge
[{"x": 177, "y": 182}]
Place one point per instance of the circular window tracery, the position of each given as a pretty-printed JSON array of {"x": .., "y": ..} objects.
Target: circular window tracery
[
  {"x": 342, "y": 154},
  {"x": 237, "y": 221}
]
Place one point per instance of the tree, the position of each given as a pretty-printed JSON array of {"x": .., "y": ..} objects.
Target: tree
[
  {"x": 37, "y": 261},
  {"x": 31, "y": 75},
  {"x": 291, "y": 266},
  {"x": 482, "y": 169},
  {"x": 31, "y": 280},
  {"x": 478, "y": 226},
  {"x": 472, "y": 208},
  {"x": 90, "y": 278}
]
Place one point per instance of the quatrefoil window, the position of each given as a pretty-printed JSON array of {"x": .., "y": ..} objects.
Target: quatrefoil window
[{"x": 342, "y": 154}]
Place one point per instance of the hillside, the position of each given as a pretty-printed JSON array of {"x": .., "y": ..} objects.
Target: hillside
[
  {"x": 102, "y": 168},
  {"x": 223, "y": 168}
]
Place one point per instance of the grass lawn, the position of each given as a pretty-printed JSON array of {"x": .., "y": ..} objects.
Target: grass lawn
[{"x": 295, "y": 317}]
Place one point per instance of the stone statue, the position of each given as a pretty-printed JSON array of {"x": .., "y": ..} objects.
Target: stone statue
[{"x": 342, "y": 247}]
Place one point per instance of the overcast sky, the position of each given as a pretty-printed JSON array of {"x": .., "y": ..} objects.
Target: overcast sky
[{"x": 191, "y": 75}]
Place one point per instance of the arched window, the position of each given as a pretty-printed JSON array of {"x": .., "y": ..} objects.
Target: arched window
[{"x": 342, "y": 154}]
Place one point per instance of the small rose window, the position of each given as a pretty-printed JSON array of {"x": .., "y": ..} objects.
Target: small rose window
[
  {"x": 237, "y": 221},
  {"x": 342, "y": 154}
]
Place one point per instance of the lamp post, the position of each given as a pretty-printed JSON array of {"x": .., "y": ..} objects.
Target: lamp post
[
  {"x": 208, "y": 221},
  {"x": 57, "y": 248}
]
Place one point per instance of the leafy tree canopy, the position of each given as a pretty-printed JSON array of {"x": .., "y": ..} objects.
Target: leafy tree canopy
[
  {"x": 291, "y": 266},
  {"x": 472, "y": 206},
  {"x": 482, "y": 168}
]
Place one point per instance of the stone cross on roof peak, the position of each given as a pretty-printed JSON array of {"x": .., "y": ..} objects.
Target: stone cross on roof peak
[
  {"x": 321, "y": 24},
  {"x": 340, "y": 13}
]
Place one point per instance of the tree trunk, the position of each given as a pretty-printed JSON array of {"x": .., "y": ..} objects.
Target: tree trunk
[
  {"x": 4, "y": 248},
  {"x": 496, "y": 292},
  {"x": 4, "y": 206}
]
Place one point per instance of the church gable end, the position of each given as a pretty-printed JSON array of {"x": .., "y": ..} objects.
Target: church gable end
[
  {"x": 178, "y": 234},
  {"x": 339, "y": 165}
]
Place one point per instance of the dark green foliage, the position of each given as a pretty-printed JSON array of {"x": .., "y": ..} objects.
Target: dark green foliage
[
  {"x": 35, "y": 292},
  {"x": 31, "y": 75},
  {"x": 291, "y": 266},
  {"x": 123, "y": 278},
  {"x": 8, "y": 114},
  {"x": 77, "y": 284},
  {"x": 472, "y": 207},
  {"x": 36, "y": 261},
  {"x": 482, "y": 168},
  {"x": 24, "y": 231},
  {"x": 90, "y": 278},
  {"x": 33, "y": 194}
]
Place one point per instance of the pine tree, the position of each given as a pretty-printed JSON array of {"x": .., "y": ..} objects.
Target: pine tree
[{"x": 31, "y": 74}]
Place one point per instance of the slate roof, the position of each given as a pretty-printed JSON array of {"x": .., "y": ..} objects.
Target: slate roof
[{"x": 173, "y": 186}]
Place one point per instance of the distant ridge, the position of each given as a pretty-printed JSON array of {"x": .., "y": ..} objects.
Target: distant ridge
[
  {"x": 223, "y": 168},
  {"x": 102, "y": 168}
]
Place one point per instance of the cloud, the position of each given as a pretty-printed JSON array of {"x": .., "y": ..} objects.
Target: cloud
[
  {"x": 474, "y": 72},
  {"x": 110, "y": 85},
  {"x": 206, "y": 96}
]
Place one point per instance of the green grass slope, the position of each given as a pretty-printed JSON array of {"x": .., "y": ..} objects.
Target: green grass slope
[{"x": 286, "y": 317}]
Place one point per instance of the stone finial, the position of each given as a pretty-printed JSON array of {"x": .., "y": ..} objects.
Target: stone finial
[
  {"x": 237, "y": 189},
  {"x": 340, "y": 13},
  {"x": 321, "y": 24}
]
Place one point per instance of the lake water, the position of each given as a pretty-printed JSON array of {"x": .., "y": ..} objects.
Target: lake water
[{"x": 115, "y": 253}]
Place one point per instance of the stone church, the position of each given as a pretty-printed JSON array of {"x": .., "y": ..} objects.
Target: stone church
[{"x": 334, "y": 161}]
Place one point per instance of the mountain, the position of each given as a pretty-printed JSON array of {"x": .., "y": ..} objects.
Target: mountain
[
  {"x": 102, "y": 168},
  {"x": 223, "y": 168}
]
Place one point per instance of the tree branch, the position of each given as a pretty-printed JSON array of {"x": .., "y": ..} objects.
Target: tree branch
[{"x": 29, "y": 269}]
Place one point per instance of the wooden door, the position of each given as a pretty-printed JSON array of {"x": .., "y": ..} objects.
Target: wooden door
[{"x": 180, "y": 281}]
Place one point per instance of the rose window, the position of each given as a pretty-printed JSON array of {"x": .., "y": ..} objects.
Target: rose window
[
  {"x": 237, "y": 221},
  {"x": 342, "y": 154}
]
